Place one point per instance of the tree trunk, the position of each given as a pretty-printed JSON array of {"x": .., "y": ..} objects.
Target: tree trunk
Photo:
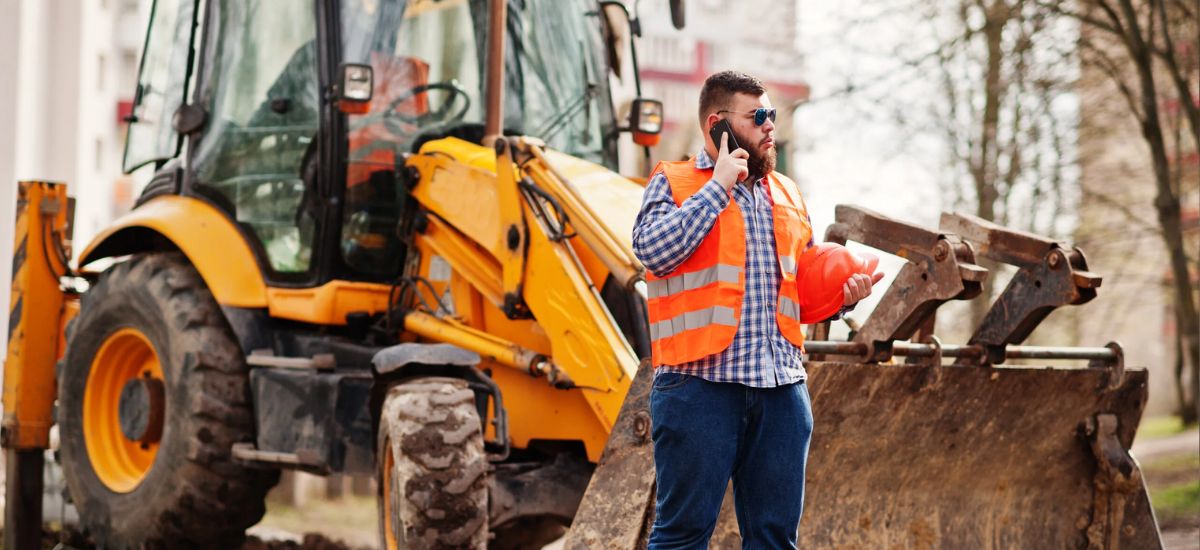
[
  {"x": 1166, "y": 203},
  {"x": 986, "y": 165}
]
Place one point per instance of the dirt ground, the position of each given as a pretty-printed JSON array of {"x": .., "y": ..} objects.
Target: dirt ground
[{"x": 1171, "y": 466}]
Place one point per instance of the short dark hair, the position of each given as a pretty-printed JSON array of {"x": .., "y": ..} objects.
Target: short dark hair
[{"x": 719, "y": 89}]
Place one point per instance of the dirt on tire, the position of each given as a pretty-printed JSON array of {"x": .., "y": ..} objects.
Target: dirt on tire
[
  {"x": 194, "y": 495},
  {"x": 438, "y": 490}
]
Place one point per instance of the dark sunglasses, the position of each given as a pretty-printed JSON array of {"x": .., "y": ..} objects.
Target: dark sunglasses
[{"x": 761, "y": 114}]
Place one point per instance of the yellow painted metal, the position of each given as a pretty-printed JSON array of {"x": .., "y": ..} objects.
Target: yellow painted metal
[
  {"x": 120, "y": 463},
  {"x": 207, "y": 237},
  {"x": 464, "y": 193},
  {"x": 389, "y": 513},
  {"x": 571, "y": 324},
  {"x": 536, "y": 410},
  {"x": 613, "y": 199},
  {"x": 615, "y": 252},
  {"x": 469, "y": 260},
  {"x": 584, "y": 339},
  {"x": 35, "y": 316},
  {"x": 488, "y": 346},
  {"x": 512, "y": 223},
  {"x": 327, "y": 304}
]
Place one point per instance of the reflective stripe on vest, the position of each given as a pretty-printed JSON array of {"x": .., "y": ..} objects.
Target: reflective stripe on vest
[
  {"x": 789, "y": 308},
  {"x": 659, "y": 288},
  {"x": 788, "y": 264},
  {"x": 716, "y": 315}
]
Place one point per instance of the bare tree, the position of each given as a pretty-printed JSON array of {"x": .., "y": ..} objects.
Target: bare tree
[
  {"x": 1148, "y": 50},
  {"x": 1005, "y": 67}
]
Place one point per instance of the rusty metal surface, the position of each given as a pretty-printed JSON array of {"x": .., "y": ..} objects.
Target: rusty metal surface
[
  {"x": 1107, "y": 355},
  {"x": 969, "y": 457},
  {"x": 940, "y": 268},
  {"x": 618, "y": 506},
  {"x": 1119, "y": 486},
  {"x": 1052, "y": 274},
  {"x": 998, "y": 242}
]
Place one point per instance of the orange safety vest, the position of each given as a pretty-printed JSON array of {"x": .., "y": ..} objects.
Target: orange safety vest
[{"x": 694, "y": 311}]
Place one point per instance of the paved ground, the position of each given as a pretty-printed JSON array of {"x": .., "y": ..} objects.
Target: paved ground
[
  {"x": 1179, "y": 443},
  {"x": 1159, "y": 459},
  {"x": 1183, "y": 539}
]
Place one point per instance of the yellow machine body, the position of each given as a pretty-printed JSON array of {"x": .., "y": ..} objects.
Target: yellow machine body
[
  {"x": 571, "y": 326},
  {"x": 38, "y": 313}
]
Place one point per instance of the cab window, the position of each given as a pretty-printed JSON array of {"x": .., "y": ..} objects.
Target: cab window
[
  {"x": 257, "y": 157},
  {"x": 161, "y": 84}
]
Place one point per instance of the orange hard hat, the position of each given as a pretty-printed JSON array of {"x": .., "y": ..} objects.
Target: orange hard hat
[{"x": 822, "y": 272}]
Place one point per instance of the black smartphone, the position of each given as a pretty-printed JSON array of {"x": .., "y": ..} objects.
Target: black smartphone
[{"x": 722, "y": 126}]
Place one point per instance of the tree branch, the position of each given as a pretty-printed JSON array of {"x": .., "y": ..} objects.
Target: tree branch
[
  {"x": 1058, "y": 8},
  {"x": 1167, "y": 54},
  {"x": 1110, "y": 69}
]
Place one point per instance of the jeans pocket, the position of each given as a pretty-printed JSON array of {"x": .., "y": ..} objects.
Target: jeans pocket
[{"x": 667, "y": 381}]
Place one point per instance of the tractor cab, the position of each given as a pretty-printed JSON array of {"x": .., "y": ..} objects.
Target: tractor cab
[{"x": 277, "y": 140}]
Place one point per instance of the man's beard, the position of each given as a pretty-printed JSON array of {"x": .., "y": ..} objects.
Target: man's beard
[{"x": 760, "y": 163}]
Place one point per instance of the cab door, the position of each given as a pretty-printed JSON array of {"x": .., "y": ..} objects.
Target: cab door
[{"x": 258, "y": 154}]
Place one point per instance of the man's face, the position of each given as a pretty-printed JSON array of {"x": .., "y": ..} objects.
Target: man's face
[{"x": 758, "y": 141}]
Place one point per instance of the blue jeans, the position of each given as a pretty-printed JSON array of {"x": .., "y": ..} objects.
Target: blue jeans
[{"x": 706, "y": 433}]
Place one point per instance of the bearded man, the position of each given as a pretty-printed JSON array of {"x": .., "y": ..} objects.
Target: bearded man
[{"x": 729, "y": 401}]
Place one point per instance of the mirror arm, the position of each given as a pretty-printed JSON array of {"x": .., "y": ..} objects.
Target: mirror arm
[{"x": 635, "y": 30}]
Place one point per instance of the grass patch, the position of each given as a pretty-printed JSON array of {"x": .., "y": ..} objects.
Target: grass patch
[
  {"x": 1172, "y": 463},
  {"x": 1160, "y": 426},
  {"x": 1177, "y": 505}
]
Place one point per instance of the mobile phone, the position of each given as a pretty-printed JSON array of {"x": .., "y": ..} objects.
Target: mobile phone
[{"x": 722, "y": 126}]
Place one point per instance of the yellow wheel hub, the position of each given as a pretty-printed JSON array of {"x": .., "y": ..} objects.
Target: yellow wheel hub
[
  {"x": 125, "y": 360},
  {"x": 389, "y": 514}
]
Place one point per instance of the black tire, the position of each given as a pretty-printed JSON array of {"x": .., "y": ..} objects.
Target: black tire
[
  {"x": 436, "y": 485},
  {"x": 194, "y": 495}
]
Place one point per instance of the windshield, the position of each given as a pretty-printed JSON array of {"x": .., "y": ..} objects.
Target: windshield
[{"x": 429, "y": 60}]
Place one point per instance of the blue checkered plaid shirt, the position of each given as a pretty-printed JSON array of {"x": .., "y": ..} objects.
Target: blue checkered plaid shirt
[{"x": 665, "y": 235}]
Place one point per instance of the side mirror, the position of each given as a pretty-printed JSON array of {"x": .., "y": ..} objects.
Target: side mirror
[
  {"x": 357, "y": 85},
  {"x": 677, "y": 18},
  {"x": 646, "y": 121}
]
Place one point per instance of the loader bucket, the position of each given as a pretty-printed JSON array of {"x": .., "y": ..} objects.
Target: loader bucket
[
  {"x": 974, "y": 457},
  {"x": 923, "y": 454},
  {"x": 913, "y": 456}
]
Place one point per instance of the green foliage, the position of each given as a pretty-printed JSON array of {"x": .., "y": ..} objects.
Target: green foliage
[
  {"x": 1178, "y": 504},
  {"x": 1160, "y": 426}
]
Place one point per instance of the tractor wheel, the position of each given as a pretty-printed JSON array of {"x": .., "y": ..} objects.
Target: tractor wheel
[
  {"x": 153, "y": 391},
  {"x": 432, "y": 467}
]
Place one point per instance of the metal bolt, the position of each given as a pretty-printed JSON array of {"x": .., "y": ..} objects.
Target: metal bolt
[
  {"x": 1055, "y": 259},
  {"x": 941, "y": 251},
  {"x": 641, "y": 425}
]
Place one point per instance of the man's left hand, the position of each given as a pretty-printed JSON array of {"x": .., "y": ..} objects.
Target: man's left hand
[{"x": 858, "y": 286}]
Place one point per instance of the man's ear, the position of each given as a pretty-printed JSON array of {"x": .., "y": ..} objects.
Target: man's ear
[{"x": 711, "y": 119}]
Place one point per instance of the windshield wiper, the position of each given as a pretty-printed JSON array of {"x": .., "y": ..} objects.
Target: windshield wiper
[{"x": 564, "y": 115}]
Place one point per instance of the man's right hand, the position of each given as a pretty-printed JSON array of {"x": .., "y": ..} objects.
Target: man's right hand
[{"x": 731, "y": 166}]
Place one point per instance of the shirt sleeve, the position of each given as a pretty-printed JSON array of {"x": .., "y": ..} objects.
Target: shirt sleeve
[{"x": 664, "y": 234}]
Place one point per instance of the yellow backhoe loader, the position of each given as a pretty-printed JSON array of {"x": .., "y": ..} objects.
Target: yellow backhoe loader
[{"x": 388, "y": 237}]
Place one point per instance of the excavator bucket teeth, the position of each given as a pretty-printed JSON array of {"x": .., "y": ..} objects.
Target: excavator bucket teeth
[{"x": 974, "y": 457}]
